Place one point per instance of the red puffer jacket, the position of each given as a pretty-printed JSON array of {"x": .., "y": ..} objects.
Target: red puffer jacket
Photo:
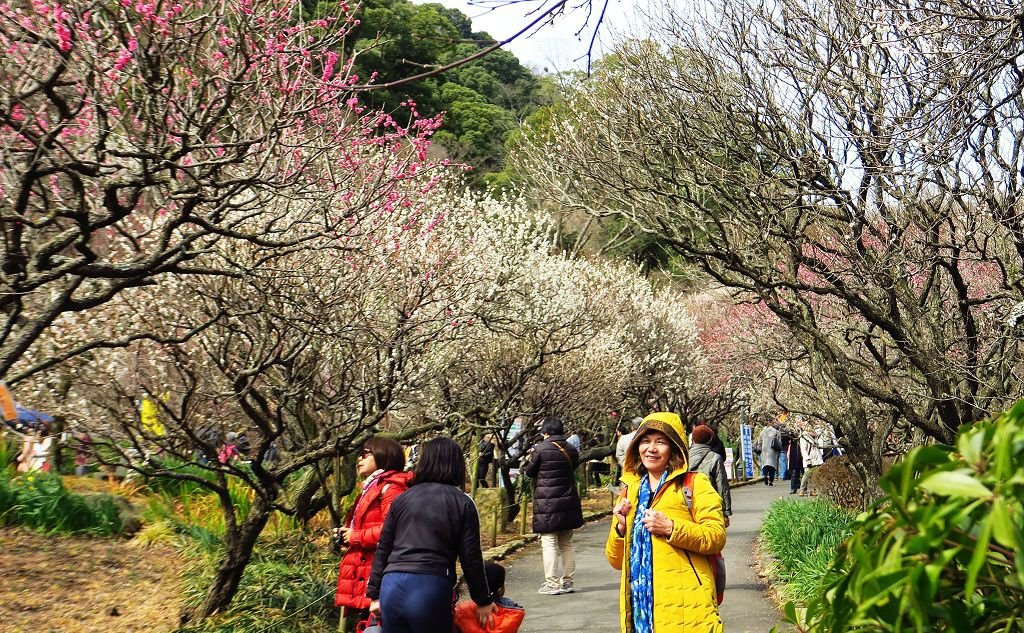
[{"x": 367, "y": 517}]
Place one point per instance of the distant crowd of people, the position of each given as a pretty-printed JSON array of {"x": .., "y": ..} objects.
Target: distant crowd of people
[
  {"x": 42, "y": 450},
  {"x": 792, "y": 448}
]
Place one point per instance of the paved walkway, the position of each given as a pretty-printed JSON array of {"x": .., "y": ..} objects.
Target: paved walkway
[{"x": 595, "y": 605}]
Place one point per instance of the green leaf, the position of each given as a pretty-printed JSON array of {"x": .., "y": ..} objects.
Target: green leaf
[
  {"x": 1002, "y": 525},
  {"x": 957, "y": 483},
  {"x": 791, "y": 612},
  {"x": 978, "y": 558},
  {"x": 971, "y": 444}
]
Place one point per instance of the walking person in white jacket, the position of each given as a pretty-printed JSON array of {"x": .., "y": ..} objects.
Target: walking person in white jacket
[
  {"x": 623, "y": 444},
  {"x": 810, "y": 451}
]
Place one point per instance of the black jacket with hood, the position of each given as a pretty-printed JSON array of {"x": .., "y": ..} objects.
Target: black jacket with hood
[{"x": 556, "y": 502}]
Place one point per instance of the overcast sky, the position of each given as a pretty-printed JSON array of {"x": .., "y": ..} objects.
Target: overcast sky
[{"x": 555, "y": 47}]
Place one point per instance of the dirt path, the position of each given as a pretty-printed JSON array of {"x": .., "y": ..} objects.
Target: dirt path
[{"x": 74, "y": 585}]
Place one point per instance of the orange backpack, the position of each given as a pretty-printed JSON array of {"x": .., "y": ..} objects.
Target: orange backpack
[
  {"x": 506, "y": 619},
  {"x": 717, "y": 560}
]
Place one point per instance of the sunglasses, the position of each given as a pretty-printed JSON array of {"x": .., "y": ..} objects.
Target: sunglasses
[{"x": 363, "y": 453}]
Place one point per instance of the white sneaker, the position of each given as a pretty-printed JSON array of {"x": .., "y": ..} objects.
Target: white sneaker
[
  {"x": 549, "y": 589},
  {"x": 567, "y": 586}
]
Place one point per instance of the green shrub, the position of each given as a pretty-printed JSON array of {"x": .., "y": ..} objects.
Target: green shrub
[
  {"x": 7, "y": 498},
  {"x": 175, "y": 487},
  {"x": 940, "y": 552},
  {"x": 8, "y": 451},
  {"x": 802, "y": 538},
  {"x": 41, "y": 502}
]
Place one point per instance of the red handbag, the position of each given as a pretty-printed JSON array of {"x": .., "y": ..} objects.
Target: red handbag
[{"x": 369, "y": 625}]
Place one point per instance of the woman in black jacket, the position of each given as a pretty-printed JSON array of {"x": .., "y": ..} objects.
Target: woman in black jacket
[
  {"x": 413, "y": 579},
  {"x": 557, "y": 510}
]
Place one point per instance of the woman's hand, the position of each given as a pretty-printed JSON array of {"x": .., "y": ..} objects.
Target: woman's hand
[
  {"x": 484, "y": 615},
  {"x": 375, "y": 607},
  {"x": 657, "y": 523},
  {"x": 342, "y": 534},
  {"x": 620, "y": 512}
]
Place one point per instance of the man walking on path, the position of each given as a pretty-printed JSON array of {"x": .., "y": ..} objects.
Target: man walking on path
[{"x": 594, "y": 608}]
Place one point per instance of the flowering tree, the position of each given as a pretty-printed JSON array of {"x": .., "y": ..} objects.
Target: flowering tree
[
  {"x": 558, "y": 335},
  {"x": 856, "y": 177},
  {"x": 667, "y": 362},
  {"x": 138, "y": 135},
  {"x": 196, "y": 209},
  {"x": 305, "y": 352},
  {"x": 539, "y": 306}
]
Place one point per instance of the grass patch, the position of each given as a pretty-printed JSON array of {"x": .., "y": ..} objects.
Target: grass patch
[
  {"x": 41, "y": 502},
  {"x": 802, "y": 538},
  {"x": 288, "y": 587}
]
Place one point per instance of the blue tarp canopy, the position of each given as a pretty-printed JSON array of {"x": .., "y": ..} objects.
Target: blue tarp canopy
[{"x": 30, "y": 419}]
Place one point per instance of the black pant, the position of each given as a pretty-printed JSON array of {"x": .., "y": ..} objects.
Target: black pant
[
  {"x": 795, "y": 475},
  {"x": 481, "y": 473},
  {"x": 769, "y": 475},
  {"x": 595, "y": 470}
]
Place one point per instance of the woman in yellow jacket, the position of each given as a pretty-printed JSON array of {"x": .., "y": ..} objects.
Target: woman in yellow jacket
[{"x": 667, "y": 584}]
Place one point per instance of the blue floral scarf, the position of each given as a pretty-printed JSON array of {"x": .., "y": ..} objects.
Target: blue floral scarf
[{"x": 641, "y": 564}]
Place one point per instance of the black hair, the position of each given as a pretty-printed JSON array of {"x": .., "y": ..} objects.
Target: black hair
[
  {"x": 441, "y": 461},
  {"x": 387, "y": 453},
  {"x": 552, "y": 425},
  {"x": 495, "y": 577}
]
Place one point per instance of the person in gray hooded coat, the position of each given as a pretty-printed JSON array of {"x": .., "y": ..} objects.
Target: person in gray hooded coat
[
  {"x": 703, "y": 459},
  {"x": 769, "y": 444}
]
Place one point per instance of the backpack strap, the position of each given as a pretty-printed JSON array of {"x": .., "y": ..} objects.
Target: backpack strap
[
  {"x": 688, "y": 492},
  {"x": 564, "y": 452},
  {"x": 716, "y": 561}
]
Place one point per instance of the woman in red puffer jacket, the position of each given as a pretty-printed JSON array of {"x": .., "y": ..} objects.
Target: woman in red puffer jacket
[{"x": 380, "y": 463}]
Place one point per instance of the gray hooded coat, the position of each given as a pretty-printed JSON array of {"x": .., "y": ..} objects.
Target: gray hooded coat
[
  {"x": 704, "y": 460},
  {"x": 769, "y": 444}
]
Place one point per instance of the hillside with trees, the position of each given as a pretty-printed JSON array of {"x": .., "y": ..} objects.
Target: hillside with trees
[{"x": 482, "y": 101}]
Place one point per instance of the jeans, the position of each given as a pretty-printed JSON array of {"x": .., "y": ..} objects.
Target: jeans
[
  {"x": 415, "y": 603},
  {"x": 559, "y": 556}
]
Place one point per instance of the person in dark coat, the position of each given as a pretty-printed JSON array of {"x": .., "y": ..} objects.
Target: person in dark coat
[
  {"x": 430, "y": 526},
  {"x": 485, "y": 457},
  {"x": 557, "y": 510},
  {"x": 794, "y": 459}
]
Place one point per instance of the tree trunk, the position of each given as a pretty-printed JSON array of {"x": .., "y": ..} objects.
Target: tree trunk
[
  {"x": 240, "y": 543},
  {"x": 311, "y": 496},
  {"x": 502, "y": 468}
]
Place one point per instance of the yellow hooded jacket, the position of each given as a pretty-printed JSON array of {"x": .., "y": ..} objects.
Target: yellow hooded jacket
[{"x": 684, "y": 583}]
